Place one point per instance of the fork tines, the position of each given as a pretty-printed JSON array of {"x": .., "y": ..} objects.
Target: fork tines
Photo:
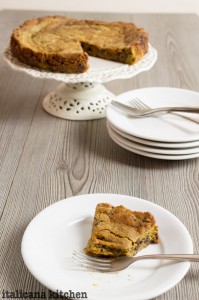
[
  {"x": 91, "y": 262},
  {"x": 136, "y": 102}
]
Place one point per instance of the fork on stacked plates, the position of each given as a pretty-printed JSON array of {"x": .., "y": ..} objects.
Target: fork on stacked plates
[{"x": 162, "y": 135}]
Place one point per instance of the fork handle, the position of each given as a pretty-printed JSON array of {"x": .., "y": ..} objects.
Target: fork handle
[
  {"x": 193, "y": 119},
  {"x": 170, "y": 109},
  {"x": 179, "y": 257},
  {"x": 143, "y": 112}
]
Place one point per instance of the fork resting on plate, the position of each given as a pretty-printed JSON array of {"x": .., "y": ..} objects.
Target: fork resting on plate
[
  {"x": 121, "y": 263},
  {"x": 145, "y": 112}
]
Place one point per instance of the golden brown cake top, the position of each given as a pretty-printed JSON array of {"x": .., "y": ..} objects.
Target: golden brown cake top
[
  {"x": 122, "y": 221},
  {"x": 63, "y": 44},
  {"x": 65, "y": 35}
]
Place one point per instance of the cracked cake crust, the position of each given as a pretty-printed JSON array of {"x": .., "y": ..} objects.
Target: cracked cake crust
[
  {"x": 63, "y": 44},
  {"x": 118, "y": 231}
]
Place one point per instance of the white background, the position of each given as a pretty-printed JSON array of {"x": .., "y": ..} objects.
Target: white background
[{"x": 130, "y": 6}]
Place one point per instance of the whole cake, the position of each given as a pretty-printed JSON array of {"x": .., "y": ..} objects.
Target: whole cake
[
  {"x": 61, "y": 44},
  {"x": 118, "y": 231}
]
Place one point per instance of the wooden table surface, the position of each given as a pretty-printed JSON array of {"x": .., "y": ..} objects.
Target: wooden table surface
[{"x": 44, "y": 159}]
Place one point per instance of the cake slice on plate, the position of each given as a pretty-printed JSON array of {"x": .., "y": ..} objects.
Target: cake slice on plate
[{"x": 118, "y": 231}]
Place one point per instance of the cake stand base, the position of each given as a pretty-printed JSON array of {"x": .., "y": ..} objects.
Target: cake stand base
[{"x": 78, "y": 101}]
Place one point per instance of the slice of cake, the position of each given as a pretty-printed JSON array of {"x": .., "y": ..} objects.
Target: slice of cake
[
  {"x": 118, "y": 231},
  {"x": 63, "y": 44}
]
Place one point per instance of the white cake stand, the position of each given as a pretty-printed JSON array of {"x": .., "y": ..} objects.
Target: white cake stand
[{"x": 83, "y": 96}]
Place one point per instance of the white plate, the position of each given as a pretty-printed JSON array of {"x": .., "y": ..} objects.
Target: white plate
[
  {"x": 151, "y": 154},
  {"x": 139, "y": 146},
  {"x": 153, "y": 143},
  {"x": 66, "y": 225},
  {"x": 166, "y": 128}
]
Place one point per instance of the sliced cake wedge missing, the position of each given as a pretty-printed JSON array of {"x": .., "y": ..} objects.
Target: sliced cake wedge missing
[
  {"x": 61, "y": 44},
  {"x": 118, "y": 231}
]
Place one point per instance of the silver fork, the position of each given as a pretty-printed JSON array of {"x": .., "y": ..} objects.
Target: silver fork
[
  {"x": 145, "y": 112},
  {"x": 137, "y": 103},
  {"x": 121, "y": 263}
]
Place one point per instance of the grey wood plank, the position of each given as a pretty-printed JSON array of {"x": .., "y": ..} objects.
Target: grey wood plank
[
  {"x": 44, "y": 159},
  {"x": 17, "y": 106}
]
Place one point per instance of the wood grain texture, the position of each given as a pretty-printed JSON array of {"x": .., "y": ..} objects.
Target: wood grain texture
[{"x": 44, "y": 159}]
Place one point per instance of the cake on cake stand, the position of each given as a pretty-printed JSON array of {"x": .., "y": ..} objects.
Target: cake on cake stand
[{"x": 83, "y": 96}]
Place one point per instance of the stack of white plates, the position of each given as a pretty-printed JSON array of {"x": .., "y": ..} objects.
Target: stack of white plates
[{"x": 168, "y": 136}]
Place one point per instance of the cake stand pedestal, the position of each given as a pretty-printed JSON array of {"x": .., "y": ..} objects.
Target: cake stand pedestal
[
  {"x": 78, "y": 101},
  {"x": 83, "y": 96}
]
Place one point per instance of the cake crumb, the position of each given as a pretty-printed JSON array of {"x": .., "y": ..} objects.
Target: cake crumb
[{"x": 94, "y": 284}]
